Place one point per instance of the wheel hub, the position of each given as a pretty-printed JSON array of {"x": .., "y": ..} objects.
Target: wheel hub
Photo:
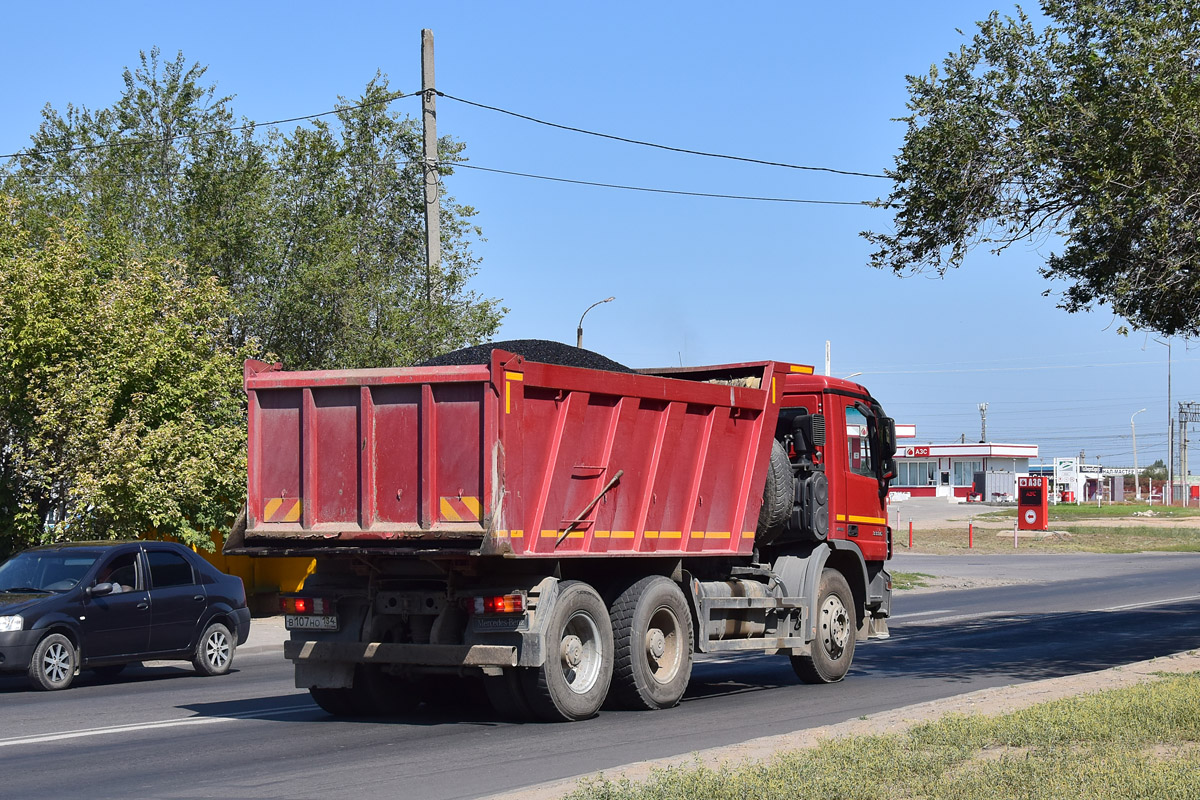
[
  {"x": 835, "y": 625},
  {"x": 572, "y": 651},
  {"x": 656, "y": 643}
]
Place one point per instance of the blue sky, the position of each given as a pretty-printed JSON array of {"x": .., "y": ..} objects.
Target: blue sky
[{"x": 696, "y": 280}]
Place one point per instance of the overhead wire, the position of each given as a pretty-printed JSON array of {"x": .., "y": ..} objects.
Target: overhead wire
[{"x": 670, "y": 148}]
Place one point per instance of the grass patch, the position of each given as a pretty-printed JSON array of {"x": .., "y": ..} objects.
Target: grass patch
[
  {"x": 1139, "y": 742},
  {"x": 1064, "y": 539},
  {"x": 910, "y": 580},
  {"x": 1070, "y": 511}
]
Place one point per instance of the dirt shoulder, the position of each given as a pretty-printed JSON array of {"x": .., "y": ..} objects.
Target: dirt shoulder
[{"x": 999, "y": 700}]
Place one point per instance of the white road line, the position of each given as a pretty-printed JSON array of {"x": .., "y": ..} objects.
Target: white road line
[
  {"x": 921, "y": 614},
  {"x": 146, "y": 726},
  {"x": 1130, "y": 606}
]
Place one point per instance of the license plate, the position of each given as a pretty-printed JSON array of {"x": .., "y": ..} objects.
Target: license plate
[{"x": 310, "y": 622}]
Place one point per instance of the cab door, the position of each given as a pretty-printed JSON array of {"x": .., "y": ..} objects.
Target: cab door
[{"x": 859, "y": 514}]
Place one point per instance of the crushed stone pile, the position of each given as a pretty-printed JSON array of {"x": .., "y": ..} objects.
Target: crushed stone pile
[{"x": 542, "y": 350}]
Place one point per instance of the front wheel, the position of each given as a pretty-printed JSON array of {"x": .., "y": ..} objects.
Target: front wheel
[
  {"x": 829, "y": 656},
  {"x": 573, "y": 681},
  {"x": 53, "y": 663},
  {"x": 214, "y": 651}
]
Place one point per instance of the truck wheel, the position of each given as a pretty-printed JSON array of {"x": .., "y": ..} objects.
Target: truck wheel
[
  {"x": 53, "y": 663},
  {"x": 507, "y": 695},
  {"x": 777, "y": 495},
  {"x": 830, "y": 654},
  {"x": 652, "y": 637},
  {"x": 573, "y": 681}
]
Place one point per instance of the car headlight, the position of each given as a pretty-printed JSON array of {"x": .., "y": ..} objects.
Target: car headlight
[{"x": 12, "y": 623}]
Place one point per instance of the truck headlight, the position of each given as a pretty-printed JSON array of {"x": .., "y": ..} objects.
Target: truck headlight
[{"x": 12, "y": 623}]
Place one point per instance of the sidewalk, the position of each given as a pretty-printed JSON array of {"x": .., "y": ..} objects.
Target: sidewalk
[{"x": 266, "y": 634}]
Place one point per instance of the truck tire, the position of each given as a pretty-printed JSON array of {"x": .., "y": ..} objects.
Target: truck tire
[
  {"x": 777, "y": 495},
  {"x": 830, "y": 654},
  {"x": 507, "y": 695},
  {"x": 573, "y": 681},
  {"x": 652, "y": 637}
]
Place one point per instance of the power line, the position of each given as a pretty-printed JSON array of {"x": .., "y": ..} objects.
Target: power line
[
  {"x": 213, "y": 132},
  {"x": 661, "y": 146},
  {"x": 667, "y": 191}
]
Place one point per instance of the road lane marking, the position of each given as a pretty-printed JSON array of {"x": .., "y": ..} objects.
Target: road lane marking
[
  {"x": 921, "y": 614},
  {"x": 146, "y": 726},
  {"x": 1130, "y": 606}
]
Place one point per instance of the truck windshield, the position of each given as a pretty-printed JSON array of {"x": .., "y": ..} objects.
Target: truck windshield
[{"x": 40, "y": 571}]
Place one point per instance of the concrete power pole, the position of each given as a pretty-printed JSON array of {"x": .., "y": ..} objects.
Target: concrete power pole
[{"x": 433, "y": 217}]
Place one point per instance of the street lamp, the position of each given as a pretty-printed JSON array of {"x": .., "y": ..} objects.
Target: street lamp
[
  {"x": 1137, "y": 481},
  {"x": 579, "y": 331}
]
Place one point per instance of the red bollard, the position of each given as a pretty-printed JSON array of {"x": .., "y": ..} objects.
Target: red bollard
[
  {"x": 910, "y": 534},
  {"x": 970, "y": 535}
]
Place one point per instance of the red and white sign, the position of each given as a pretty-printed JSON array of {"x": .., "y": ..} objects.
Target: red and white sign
[
  {"x": 916, "y": 452},
  {"x": 1032, "y": 503}
]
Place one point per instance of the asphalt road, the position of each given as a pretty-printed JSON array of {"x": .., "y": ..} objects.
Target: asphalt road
[{"x": 160, "y": 731}]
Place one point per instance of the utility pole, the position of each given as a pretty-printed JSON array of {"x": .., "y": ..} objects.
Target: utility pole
[
  {"x": 433, "y": 217},
  {"x": 983, "y": 422},
  {"x": 827, "y": 357},
  {"x": 1137, "y": 480}
]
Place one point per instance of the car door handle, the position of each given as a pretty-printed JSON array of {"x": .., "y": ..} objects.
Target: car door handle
[
  {"x": 199, "y": 598},
  {"x": 143, "y": 605}
]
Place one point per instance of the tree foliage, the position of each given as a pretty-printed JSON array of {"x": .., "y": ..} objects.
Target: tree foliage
[
  {"x": 121, "y": 409},
  {"x": 1087, "y": 129},
  {"x": 149, "y": 247},
  {"x": 317, "y": 233}
]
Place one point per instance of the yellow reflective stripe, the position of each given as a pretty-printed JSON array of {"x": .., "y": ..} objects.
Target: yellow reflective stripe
[
  {"x": 748, "y": 534},
  {"x": 869, "y": 520},
  {"x": 272, "y": 506},
  {"x": 448, "y": 511},
  {"x": 622, "y": 534},
  {"x": 803, "y": 369},
  {"x": 472, "y": 504},
  {"x": 514, "y": 376},
  {"x": 293, "y": 514},
  {"x": 556, "y": 534}
]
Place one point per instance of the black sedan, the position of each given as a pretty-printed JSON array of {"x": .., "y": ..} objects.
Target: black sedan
[{"x": 102, "y": 605}]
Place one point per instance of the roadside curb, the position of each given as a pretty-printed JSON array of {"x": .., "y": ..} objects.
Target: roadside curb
[{"x": 999, "y": 700}]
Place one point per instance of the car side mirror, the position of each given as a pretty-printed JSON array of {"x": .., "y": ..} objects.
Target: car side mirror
[{"x": 100, "y": 590}]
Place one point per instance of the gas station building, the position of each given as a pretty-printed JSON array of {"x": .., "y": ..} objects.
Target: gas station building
[{"x": 955, "y": 470}]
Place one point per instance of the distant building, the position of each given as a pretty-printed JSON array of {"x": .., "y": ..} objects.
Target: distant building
[{"x": 987, "y": 470}]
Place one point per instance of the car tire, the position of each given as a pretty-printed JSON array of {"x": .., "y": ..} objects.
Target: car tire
[
  {"x": 54, "y": 663},
  {"x": 214, "y": 651}
]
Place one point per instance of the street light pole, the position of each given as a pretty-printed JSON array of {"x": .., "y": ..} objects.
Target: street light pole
[
  {"x": 1137, "y": 481},
  {"x": 579, "y": 330}
]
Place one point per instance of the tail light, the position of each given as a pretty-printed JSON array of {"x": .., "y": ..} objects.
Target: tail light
[
  {"x": 500, "y": 604},
  {"x": 306, "y": 605}
]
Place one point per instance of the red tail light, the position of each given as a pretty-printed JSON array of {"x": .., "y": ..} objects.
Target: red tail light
[
  {"x": 500, "y": 604},
  {"x": 306, "y": 605}
]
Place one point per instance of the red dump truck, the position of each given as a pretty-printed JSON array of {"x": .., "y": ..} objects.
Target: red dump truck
[{"x": 567, "y": 535}]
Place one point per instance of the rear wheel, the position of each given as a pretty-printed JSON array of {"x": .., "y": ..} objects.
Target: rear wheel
[
  {"x": 652, "y": 636},
  {"x": 53, "y": 663},
  {"x": 830, "y": 654},
  {"x": 214, "y": 651},
  {"x": 574, "y": 680},
  {"x": 338, "y": 702}
]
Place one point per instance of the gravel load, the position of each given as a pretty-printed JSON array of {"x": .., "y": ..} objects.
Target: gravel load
[{"x": 542, "y": 350}]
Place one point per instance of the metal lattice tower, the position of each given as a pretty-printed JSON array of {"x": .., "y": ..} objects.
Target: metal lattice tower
[{"x": 1188, "y": 413}]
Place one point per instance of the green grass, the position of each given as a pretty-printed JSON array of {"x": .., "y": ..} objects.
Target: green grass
[
  {"x": 1079, "y": 538},
  {"x": 1070, "y": 511},
  {"x": 1139, "y": 743},
  {"x": 909, "y": 580}
]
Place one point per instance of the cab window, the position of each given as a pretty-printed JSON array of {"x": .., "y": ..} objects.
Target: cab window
[
  {"x": 858, "y": 443},
  {"x": 169, "y": 569}
]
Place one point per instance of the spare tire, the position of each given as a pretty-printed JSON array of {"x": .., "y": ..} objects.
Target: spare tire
[{"x": 777, "y": 495}]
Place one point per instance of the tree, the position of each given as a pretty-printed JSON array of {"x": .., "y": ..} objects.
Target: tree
[
  {"x": 1156, "y": 471},
  {"x": 121, "y": 411},
  {"x": 317, "y": 234},
  {"x": 1087, "y": 129}
]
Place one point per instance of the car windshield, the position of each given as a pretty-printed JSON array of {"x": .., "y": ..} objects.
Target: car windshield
[{"x": 44, "y": 571}]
